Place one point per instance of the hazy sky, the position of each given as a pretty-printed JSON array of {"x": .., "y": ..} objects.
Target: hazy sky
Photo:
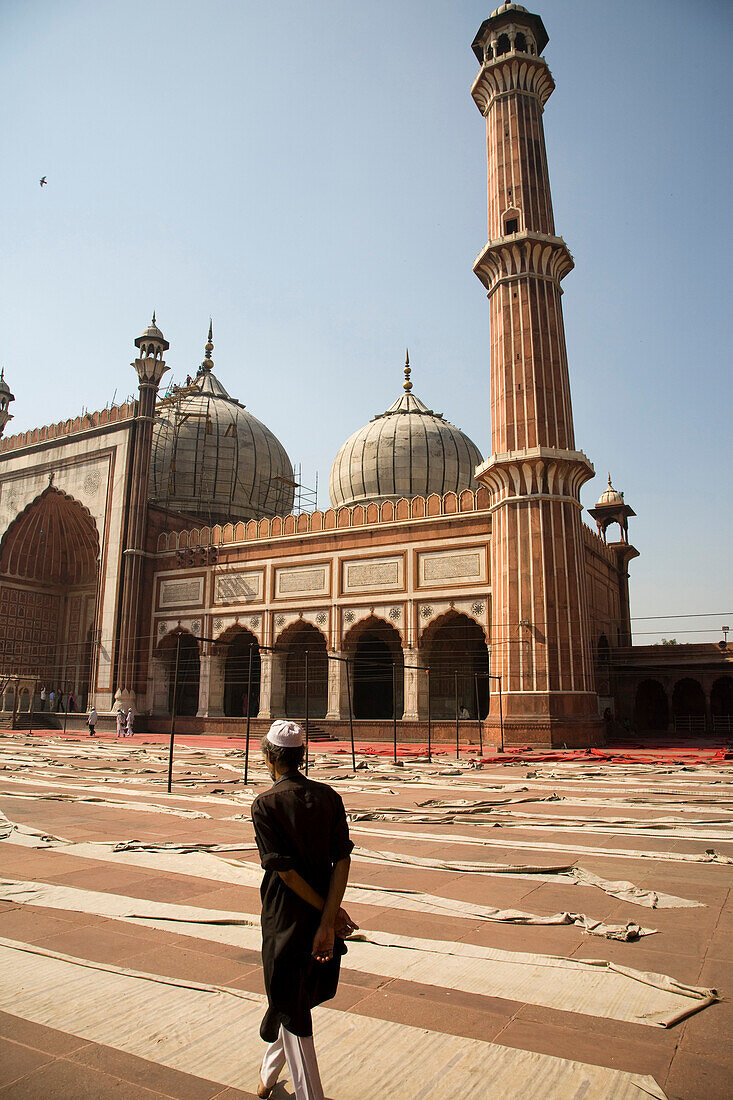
[{"x": 313, "y": 176}]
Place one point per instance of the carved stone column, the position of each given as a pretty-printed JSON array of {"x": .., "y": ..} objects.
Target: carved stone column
[
  {"x": 272, "y": 685},
  {"x": 415, "y": 686},
  {"x": 204, "y": 684},
  {"x": 338, "y": 699},
  {"x": 216, "y": 682},
  {"x": 161, "y": 686}
]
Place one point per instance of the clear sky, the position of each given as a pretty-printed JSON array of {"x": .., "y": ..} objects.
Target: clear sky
[{"x": 313, "y": 176}]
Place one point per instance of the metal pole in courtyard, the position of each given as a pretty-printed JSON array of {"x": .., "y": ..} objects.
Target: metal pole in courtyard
[
  {"x": 307, "y": 715},
  {"x": 394, "y": 711},
  {"x": 501, "y": 717},
  {"x": 430, "y": 722},
  {"x": 173, "y": 715},
  {"x": 458, "y": 747},
  {"x": 249, "y": 712},
  {"x": 478, "y": 716},
  {"x": 30, "y": 708},
  {"x": 351, "y": 716}
]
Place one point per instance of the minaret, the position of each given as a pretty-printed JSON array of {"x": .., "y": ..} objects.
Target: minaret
[
  {"x": 5, "y": 398},
  {"x": 150, "y": 369},
  {"x": 540, "y": 643}
]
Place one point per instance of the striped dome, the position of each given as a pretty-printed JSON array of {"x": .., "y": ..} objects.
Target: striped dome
[
  {"x": 213, "y": 459},
  {"x": 407, "y": 451}
]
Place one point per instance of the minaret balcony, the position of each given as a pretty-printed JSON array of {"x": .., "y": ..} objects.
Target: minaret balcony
[
  {"x": 523, "y": 255},
  {"x": 512, "y": 73},
  {"x": 535, "y": 472}
]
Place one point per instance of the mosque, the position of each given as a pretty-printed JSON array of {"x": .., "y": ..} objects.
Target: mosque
[{"x": 151, "y": 555}]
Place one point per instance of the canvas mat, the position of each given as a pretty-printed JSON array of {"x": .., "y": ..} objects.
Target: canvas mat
[
  {"x": 590, "y": 987},
  {"x": 212, "y": 1032}
]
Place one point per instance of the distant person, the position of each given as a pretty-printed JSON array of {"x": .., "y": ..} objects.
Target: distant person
[
  {"x": 72, "y": 702},
  {"x": 463, "y": 712},
  {"x": 92, "y": 720},
  {"x": 121, "y": 724},
  {"x": 130, "y": 723},
  {"x": 60, "y": 700},
  {"x": 44, "y": 696},
  {"x": 303, "y": 840},
  {"x": 51, "y": 699}
]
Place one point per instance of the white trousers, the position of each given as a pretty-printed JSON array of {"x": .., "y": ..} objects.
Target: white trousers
[{"x": 300, "y": 1054}]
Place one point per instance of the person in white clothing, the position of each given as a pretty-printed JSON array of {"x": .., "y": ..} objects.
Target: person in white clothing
[
  {"x": 130, "y": 723},
  {"x": 92, "y": 720},
  {"x": 120, "y": 724}
]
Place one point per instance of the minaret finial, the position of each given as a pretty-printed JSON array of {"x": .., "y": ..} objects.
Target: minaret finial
[
  {"x": 153, "y": 321},
  {"x": 610, "y": 486},
  {"x": 407, "y": 384},
  {"x": 207, "y": 363}
]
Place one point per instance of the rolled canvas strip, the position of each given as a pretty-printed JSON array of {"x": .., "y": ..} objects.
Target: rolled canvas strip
[
  {"x": 589, "y": 987},
  {"x": 546, "y": 845},
  {"x": 203, "y": 861},
  {"x": 212, "y": 1032},
  {"x": 143, "y": 807}
]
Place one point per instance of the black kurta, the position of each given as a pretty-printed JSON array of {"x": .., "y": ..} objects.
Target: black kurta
[{"x": 299, "y": 825}]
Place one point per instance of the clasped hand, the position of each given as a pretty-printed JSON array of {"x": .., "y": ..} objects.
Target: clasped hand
[{"x": 343, "y": 926}]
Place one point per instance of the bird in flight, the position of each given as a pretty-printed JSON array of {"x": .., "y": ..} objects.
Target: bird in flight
[{"x": 43, "y": 181}]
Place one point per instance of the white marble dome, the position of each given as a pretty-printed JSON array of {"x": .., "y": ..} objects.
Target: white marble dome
[
  {"x": 407, "y": 451},
  {"x": 213, "y": 459}
]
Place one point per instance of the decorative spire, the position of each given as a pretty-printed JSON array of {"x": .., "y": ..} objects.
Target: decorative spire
[
  {"x": 208, "y": 363},
  {"x": 407, "y": 384},
  {"x": 153, "y": 321}
]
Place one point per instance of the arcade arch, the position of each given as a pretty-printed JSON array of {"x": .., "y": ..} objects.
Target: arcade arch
[
  {"x": 239, "y": 700},
  {"x": 651, "y": 710},
  {"x": 721, "y": 704},
  {"x": 375, "y": 648},
  {"x": 301, "y": 645},
  {"x": 455, "y": 646},
  {"x": 688, "y": 706},
  {"x": 181, "y": 649},
  {"x": 49, "y": 570}
]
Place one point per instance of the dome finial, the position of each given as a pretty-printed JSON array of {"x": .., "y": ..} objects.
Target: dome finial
[
  {"x": 153, "y": 321},
  {"x": 407, "y": 384},
  {"x": 207, "y": 363}
]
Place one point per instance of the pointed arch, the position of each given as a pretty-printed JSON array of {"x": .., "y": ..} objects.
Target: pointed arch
[
  {"x": 454, "y": 648},
  {"x": 49, "y": 567},
  {"x": 375, "y": 647},
  {"x": 305, "y": 665},
  {"x": 179, "y": 653}
]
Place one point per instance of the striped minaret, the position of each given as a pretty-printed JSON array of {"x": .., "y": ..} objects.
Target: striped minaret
[{"x": 540, "y": 632}]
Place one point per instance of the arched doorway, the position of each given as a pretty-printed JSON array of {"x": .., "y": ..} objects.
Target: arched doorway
[
  {"x": 180, "y": 654},
  {"x": 305, "y": 648},
  {"x": 688, "y": 706},
  {"x": 721, "y": 705},
  {"x": 455, "y": 651},
  {"x": 238, "y": 699},
  {"x": 375, "y": 647},
  {"x": 651, "y": 710},
  {"x": 48, "y": 592}
]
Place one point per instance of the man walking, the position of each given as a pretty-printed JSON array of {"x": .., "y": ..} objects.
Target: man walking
[{"x": 303, "y": 840}]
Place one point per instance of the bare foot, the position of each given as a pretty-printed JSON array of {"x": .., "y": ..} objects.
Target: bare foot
[{"x": 263, "y": 1091}]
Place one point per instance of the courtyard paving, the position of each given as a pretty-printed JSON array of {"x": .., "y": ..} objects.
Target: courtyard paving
[{"x": 544, "y": 928}]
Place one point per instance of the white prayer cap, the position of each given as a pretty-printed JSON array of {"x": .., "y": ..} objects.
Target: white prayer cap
[{"x": 286, "y": 735}]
